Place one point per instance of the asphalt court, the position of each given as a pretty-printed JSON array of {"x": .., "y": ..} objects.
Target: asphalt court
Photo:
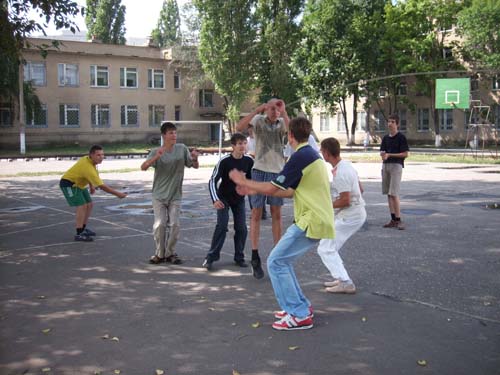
[{"x": 431, "y": 292}]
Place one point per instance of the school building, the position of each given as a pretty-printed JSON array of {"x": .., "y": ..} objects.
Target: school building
[{"x": 100, "y": 93}]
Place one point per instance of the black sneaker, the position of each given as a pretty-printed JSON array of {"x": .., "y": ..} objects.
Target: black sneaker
[
  {"x": 174, "y": 259},
  {"x": 241, "y": 263},
  {"x": 83, "y": 238},
  {"x": 258, "y": 272},
  {"x": 207, "y": 264}
]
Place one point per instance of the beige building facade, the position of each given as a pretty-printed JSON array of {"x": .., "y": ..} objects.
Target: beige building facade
[{"x": 100, "y": 93}]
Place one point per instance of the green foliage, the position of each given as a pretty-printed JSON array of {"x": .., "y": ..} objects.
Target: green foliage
[
  {"x": 227, "y": 48},
  {"x": 16, "y": 25},
  {"x": 105, "y": 20},
  {"x": 414, "y": 38},
  {"x": 339, "y": 45},
  {"x": 479, "y": 24},
  {"x": 279, "y": 37},
  {"x": 168, "y": 28}
]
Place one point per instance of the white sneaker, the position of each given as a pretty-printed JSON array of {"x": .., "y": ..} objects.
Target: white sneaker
[
  {"x": 343, "y": 288},
  {"x": 335, "y": 282}
]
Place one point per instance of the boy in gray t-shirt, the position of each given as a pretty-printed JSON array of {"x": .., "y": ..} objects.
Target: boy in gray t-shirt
[
  {"x": 168, "y": 161},
  {"x": 270, "y": 123}
]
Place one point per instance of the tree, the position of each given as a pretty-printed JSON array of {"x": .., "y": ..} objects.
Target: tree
[
  {"x": 478, "y": 24},
  {"x": 105, "y": 20},
  {"x": 416, "y": 43},
  {"x": 15, "y": 27},
  {"x": 168, "y": 28},
  {"x": 228, "y": 51},
  {"x": 279, "y": 37},
  {"x": 337, "y": 51}
]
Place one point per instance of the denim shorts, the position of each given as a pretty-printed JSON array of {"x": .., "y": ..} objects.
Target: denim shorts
[{"x": 258, "y": 200}]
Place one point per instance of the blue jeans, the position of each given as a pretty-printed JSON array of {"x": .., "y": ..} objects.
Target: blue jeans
[
  {"x": 240, "y": 231},
  {"x": 291, "y": 246}
]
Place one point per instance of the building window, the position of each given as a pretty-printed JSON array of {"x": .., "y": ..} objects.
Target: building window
[
  {"x": 129, "y": 116},
  {"x": 361, "y": 120},
  {"x": 99, "y": 114},
  {"x": 177, "y": 80},
  {"x": 471, "y": 118},
  {"x": 340, "y": 123},
  {"x": 445, "y": 119},
  {"x": 447, "y": 53},
  {"x": 380, "y": 122},
  {"x": 402, "y": 120},
  {"x": 324, "y": 122},
  {"x": 423, "y": 120},
  {"x": 474, "y": 84},
  {"x": 402, "y": 89},
  {"x": 156, "y": 79},
  {"x": 128, "y": 77},
  {"x": 496, "y": 83},
  {"x": 382, "y": 92},
  {"x": 177, "y": 113},
  {"x": 69, "y": 115},
  {"x": 99, "y": 76},
  {"x": 35, "y": 72},
  {"x": 496, "y": 116},
  {"x": 5, "y": 115},
  {"x": 37, "y": 118},
  {"x": 156, "y": 115},
  {"x": 67, "y": 75},
  {"x": 206, "y": 98}
]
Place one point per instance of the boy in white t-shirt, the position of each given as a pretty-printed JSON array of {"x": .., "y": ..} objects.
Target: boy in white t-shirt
[{"x": 350, "y": 214}]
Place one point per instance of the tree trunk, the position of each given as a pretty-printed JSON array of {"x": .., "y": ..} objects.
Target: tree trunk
[{"x": 354, "y": 116}]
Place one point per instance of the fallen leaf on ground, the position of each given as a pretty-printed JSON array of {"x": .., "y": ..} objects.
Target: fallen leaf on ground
[
  {"x": 105, "y": 337},
  {"x": 293, "y": 347},
  {"x": 235, "y": 372},
  {"x": 211, "y": 308},
  {"x": 46, "y": 369},
  {"x": 233, "y": 324},
  {"x": 115, "y": 339},
  {"x": 159, "y": 372},
  {"x": 117, "y": 372},
  {"x": 47, "y": 330},
  {"x": 363, "y": 319},
  {"x": 422, "y": 362},
  {"x": 256, "y": 325},
  {"x": 41, "y": 297}
]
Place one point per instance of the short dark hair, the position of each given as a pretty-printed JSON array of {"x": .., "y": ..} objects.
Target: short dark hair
[
  {"x": 237, "y": 137},
  {"x": 300, "y": 127},
  {"x": 166, "y": 126},
  {"x": 331, "y": 145},
  {"x": 394, "y": 117},
  {"x": 95, "y": 148}
]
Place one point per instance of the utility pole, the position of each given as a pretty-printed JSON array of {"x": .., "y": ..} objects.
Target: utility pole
[{"x": 22, "y": 115}]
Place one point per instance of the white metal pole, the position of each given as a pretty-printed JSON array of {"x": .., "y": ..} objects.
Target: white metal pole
[
  {"x": 220, "y": 139},
  {"x": 22, "y": 120}
]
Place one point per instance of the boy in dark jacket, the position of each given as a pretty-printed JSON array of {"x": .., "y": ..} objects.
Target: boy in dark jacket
[{"x": 225, "y": 197}]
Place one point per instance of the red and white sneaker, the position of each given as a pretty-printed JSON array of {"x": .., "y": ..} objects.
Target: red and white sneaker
[
  {"x": 290, "y": 323},
  {"x": 281, "y": 314}
]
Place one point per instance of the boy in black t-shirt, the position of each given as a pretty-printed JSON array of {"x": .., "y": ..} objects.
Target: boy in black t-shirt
[
  {"x": 225, "y": 197},
  {"x": 393, "y": 150}
]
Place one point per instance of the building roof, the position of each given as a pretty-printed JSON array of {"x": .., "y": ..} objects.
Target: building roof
[{"x": 98, "y": 48}]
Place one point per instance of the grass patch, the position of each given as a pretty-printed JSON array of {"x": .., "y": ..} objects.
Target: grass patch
[
  {"x": 426, "y": 158},
  {"x": 78, "y": 150}
]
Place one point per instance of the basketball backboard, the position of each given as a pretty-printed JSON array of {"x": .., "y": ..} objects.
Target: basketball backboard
[{"x": 452, "y": 93}]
